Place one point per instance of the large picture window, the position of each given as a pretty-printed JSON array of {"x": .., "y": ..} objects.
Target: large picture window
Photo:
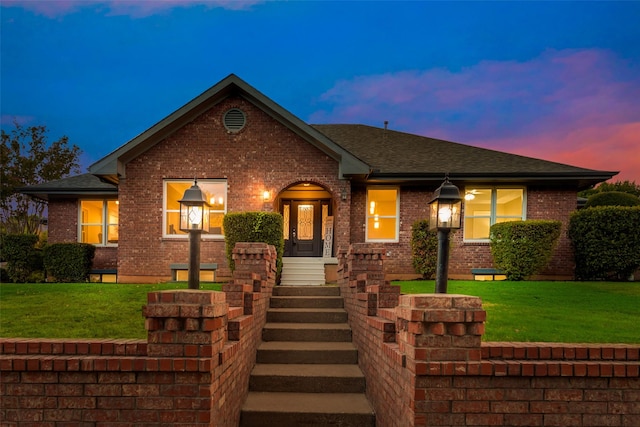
[
  {"x": 215, "y": 191},
  {"x": 98, "y": 222},
  {"x": 382, "y": 214},
  {"x": 486, "y": 206}
]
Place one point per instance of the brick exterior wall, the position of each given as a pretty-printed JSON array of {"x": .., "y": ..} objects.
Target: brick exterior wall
[
  {"x": 63, "y": 228},
  {"x": 425, "y": 364},
  {"x": 265, "y": 155},
  {"x": 193, "y": 369},
  {"x": 541, "y": 204}
]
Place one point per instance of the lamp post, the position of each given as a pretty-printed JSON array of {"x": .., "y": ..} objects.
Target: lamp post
[
  {"x": 444, "y": 215},
  {"x": 194, "y": 219}
]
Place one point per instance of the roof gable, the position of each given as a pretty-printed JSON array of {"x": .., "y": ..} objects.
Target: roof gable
[{"x": 112, "y": 166}]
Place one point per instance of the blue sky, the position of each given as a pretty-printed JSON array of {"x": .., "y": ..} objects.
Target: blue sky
[{"x": 553, "y": 80}]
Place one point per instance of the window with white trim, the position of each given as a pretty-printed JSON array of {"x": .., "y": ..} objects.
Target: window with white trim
[
  {"x": 383, "y": 205},
  {"x": 98, "y": 222},
  {"x": 215, "y": 192},
  {"x": 485, "y": 206}
]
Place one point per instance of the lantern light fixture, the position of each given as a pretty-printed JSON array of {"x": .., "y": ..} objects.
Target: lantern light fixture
[
  {"x": 445, "y": 214},
  {"x": 194, "y": 219}
]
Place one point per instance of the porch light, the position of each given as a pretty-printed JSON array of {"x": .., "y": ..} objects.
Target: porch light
[
  {"x": 444, "y": 215},
  {"x": 266, "y": 196},
  {"x": 194, "y": 219}
]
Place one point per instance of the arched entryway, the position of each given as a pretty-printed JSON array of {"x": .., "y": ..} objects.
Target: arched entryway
[{"x": 307, "y": 209}]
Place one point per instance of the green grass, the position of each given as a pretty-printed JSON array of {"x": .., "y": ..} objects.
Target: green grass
[
  {"x": 585, "y": 312},
  {"x": 77, "y": 310}
]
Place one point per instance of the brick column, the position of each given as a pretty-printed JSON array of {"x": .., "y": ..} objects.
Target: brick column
[
  {"x": 185, "y": 323},
  {"x": 440, "y": 327}
]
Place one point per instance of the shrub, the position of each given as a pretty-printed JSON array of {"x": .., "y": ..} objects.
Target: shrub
[
  {"x": 424, "y": 249},
  {"x": 263, "y": 227},
  {"x": 23, "y": 259},
  {"x": 523, "y": 248},
  {"x": 606, "y": 242},
  {"x": 69, "y": 262},
  {"x": 612, "y": 198}
]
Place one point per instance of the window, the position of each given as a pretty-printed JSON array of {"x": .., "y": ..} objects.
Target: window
[
  {"x": 382, "y": 215},
  {"x": 98, "y": 222},
  {"x": 215, "y": 191},
  {"x": 484, "y": 207}
]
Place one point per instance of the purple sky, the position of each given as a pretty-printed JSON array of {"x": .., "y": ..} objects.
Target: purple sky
[{"x": 553, "y": 80}]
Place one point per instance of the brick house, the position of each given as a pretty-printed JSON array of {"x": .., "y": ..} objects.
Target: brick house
[{"x": 358, "y": 183}]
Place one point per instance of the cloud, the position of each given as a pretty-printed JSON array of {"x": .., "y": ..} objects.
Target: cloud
[
  {"x": 572, "y": 106},
  {"x": 135, "y": 8}
]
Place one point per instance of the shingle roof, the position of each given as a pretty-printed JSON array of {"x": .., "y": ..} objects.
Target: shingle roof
[
  {"x": 392, "y": 153},
  {"x": 85, "y": 184}
]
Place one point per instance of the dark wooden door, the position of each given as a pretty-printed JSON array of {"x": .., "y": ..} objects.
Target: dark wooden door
[{"x": 305, "y": 229}]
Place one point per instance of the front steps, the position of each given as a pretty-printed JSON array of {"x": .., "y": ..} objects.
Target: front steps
[
  {"x": 300, "y": 271},
  {"x": 306, "y": 372}
]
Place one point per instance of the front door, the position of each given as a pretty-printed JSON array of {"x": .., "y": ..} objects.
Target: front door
[{"x": 304, "y": 235}]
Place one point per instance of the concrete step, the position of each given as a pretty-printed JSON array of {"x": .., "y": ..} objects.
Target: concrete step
[
  {"x": 306, "y": 332},
  {"x": 305, "y": 378},
  {"x": 307, "y": 315},
  {"x": 302, "y": 271},
  {"x": 305, "y": 409},
  {"x": 306, "y": 291},
  {"x": 296, "y": 352},
  {"x": 306, "y": 302}
]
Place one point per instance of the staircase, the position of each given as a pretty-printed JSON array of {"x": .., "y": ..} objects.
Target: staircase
[
  {"x": 306, "y": 372},
  {"x": 301, "y": 271}
]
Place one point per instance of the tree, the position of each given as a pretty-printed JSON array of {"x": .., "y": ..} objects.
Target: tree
[
  {"x": 26, "y": 160},
  {"x": 622, "y": 186}
]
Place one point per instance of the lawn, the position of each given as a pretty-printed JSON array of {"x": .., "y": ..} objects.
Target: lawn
[
  {"x": 77, "y": 310},
  {"x": 587, "y": 312},
  {"x": 595, "y": 312}
]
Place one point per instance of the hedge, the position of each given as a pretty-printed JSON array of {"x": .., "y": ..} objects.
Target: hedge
[
  {"x": 523, "y": 248},
  {"x": 612, "y": 198},
  {"x": 606, "y": 242},
  {"x": 424, "y": 249},
  {"x": 24, "y": 260},
  {"x": 68, "y": 262},
  {"x": 263, "y": 227}
]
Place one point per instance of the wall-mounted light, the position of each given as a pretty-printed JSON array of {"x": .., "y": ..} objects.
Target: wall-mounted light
[
  {"x": 266, "y": 195},
  {"x": 343, "y": 194}
]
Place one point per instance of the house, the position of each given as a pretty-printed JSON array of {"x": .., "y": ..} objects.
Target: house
[{"x": 358, "y": 183}]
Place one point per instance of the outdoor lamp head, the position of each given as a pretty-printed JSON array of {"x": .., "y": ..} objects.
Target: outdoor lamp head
[
  {"x": 445, "y": 207},
  {"x": 194, "y": 210}
]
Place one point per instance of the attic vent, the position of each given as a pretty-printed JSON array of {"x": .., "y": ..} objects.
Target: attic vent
[{"x": 234, "y": 120}]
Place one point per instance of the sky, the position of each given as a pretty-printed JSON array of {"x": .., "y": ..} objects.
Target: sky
[{"x": 558, "y": 81}]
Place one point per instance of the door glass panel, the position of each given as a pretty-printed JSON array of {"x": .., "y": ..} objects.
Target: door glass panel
[
  {"x": 285, "y": 228},
  {"x": 305, "y": 222}
]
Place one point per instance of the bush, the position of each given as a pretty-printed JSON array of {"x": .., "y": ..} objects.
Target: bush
[
  {"x": 24, "y": 261},
  {"x": 523, "y": 248},
  {"x": 69, "y": 262},
  {"x": 263, "y": 227},
  {"x": 612, "y": 198},
  {"x": 424, "y": 249},
  {"x": 606, "y": 242}
]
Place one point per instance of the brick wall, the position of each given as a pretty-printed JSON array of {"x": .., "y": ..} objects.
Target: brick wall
[
  {"x": 192, "y": 369},
  {"x": 265, "y": 155},
  {"x": 63, "y": 228},
  {"x": 425, "y": 363},
  {"x": 541, "y": 204}
]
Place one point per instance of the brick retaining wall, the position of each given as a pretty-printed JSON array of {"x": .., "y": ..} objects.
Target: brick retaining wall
[
  {"x": 193, "y": 369},
  {"x": 425, "y": 364}
]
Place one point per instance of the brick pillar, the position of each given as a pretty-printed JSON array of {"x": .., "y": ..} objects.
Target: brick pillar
[
  {"x": 440, "y": 327},
  {"x": 362, "y": 267},
  {"x": 255, "y": 273},
  {"x": 185, "y": 323}
]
